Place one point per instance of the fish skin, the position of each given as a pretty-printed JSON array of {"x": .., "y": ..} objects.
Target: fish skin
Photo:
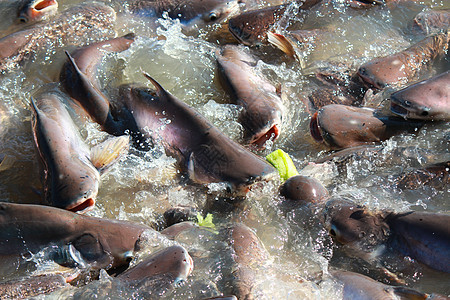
[
  {"x": 432, "y": 21},
  {"x": 304, "y": 188},
  {"x": 262, "y": 107},
  {"x": 24, "y": 288},
  {"x": 402, "y": 67},
  {"x": 436, "y": 176},
  {"x": 360, "y": 287},
  {"x": 201, "y": 149},
  {"x": 102, "y": 243},
  {"x": 423, "y": 236},
  {"x": 32, "y": 11},
  {"x": 426, "y": 100},
  {"x": 73, "y": 26},
  {"x": 70, "y": 179},
  {"x": 341, "y": 126},
  {"x": 173, "y": 261},
  {"x": 78, "y": 77},
  {"x": 250, "y": 27},
  {"x": 188, "y": 12}
]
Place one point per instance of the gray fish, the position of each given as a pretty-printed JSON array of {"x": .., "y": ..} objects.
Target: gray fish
[
  {"x": 341, "y": 126},
  {"x": 262, "y": 107},
  {"x": 360, "y": 287},
  {"x": 31, "y": 286},
  {"x": 173, "y": 263},
  {"x": 101, "y": 243},
  {"x": 73, "y": 26},
  {"x": 404, "y": 66},
  {"x": 197, "y": 12},
  {"x": 201, "y": 150},
  {"x": 71, "y": 171},
  {"x": 32, "y": 11},
  {"x": 423, "y": 236},
  {"x": 78, "y": 77},
  {"x": 427, "y": 100}
]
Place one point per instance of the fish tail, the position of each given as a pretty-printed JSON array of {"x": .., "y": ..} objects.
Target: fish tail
[
  {"x": 285, "y": 45},
  {"x": 104, "y": 155}
]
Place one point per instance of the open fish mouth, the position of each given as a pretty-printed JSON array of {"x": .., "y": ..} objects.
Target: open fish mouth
[
  {"x": 314, "y": 128},
  {"x": 272, "y": 134},
  {"x": 398, "y": 110},
  {"x": 82, "y": 206},
  {"x": 38, "y": 10},
  {"x": 41, "y": 5}
]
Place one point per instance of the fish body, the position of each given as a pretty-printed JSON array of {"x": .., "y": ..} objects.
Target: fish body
[
  {"x": 423, "y": 236},
  {"x": 201, "y": 150},
  {"x": 436, "y": 175},
  {"x": 71, "y": 178},
  {"x": 32, "y": 11},
  {"x": 262, "y": 107},
  {"x": 73, "y": 26},
  {"x": 304, "y": 188},
  {"x": 101, "y": 243},
  {"x": 341, "y": 126},
  {"x": 201, "y": 12},
  {"x": 173, "y": 262},
  {"x": 360, "y": 287},
  {"x": 427, "y": 100},
  {"x": 24, "y": 288},
  {"x": 432, "y": 21},
  {"x": 402, "y": 67}
]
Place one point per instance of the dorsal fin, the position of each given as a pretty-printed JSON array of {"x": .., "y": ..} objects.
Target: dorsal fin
[{"x": 160, "y": 91}]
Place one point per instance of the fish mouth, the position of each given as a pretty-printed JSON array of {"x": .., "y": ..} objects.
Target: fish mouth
[
  {"x": 398, "y": 109},
  {"x": 314, "y": 128},
  {"x": 38, "y": 10},
  {"x": 82, "y": 206},
  {"x": 367, "y": 81},
  {"x": 272, "y": 134},
  {"x": 44, "y": 4}
]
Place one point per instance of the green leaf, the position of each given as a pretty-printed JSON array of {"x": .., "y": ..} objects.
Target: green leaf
[{"x": 283, "y": 163}]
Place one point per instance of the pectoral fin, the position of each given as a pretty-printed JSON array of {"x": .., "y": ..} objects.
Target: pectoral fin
[
  {"x": 408, "y": 294},
  {"x": 104, "y": 155}
]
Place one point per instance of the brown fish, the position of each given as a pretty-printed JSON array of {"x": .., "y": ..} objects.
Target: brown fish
[
  {"x": 74, "y": 26},
  {"x": 432, "y": 21},
  {"x": 360, "y": 287},
  {"x": 24, "y": 288},
  {"x": 402, "y": 67},
  {"x": 249, "y": 255},
  {"x": 427, "y": 100},
  {"x": 71, "y": 171},
  {"x": 173, "y": 263},
  {"x": 32, "y": 11},
  {"x": 304, "y": 188},
  {"x": 101, "y": 243},
  {"x": 202, "y": 151},
  {"x": 262, "y": 107},
  {"x": 196, "y": 12},
  {"x": 250, "y": 28},
  {"x": 436, "y": 175},
  {"x": 341, "y": 126}
]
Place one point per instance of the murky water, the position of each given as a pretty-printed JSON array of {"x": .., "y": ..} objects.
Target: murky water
[{"x": 141, "y": 186}]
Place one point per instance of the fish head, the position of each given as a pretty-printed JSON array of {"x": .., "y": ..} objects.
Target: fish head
[
  {"x": 426, "y": 100},
  {"x": 228, "y": 162},
  {"x": 250, "y": 28},
  {"x": 73, "y": 189},
  {"x": 383, "y": 71},
  {"x": 264, "y": 125},
  {"x": 341, "y": 126},
  {"x": 174, "y": 261},
  {"x": 353, "y": 225},
  {"x": 304, "y": 188},
  {"x": 36, "y": 10},
  {"x": 204, "y": 12}
]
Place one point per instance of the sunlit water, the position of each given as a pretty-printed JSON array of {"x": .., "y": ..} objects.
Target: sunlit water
[{"x": 143, "y": 185}]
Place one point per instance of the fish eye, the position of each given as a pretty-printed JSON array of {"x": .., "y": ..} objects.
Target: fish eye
[
  {"x": 332, "y": 232},
  {"x": 424, "y": 113},
  {"x": 213, "y": 17},
  {"x": 23, "y": 19}
]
